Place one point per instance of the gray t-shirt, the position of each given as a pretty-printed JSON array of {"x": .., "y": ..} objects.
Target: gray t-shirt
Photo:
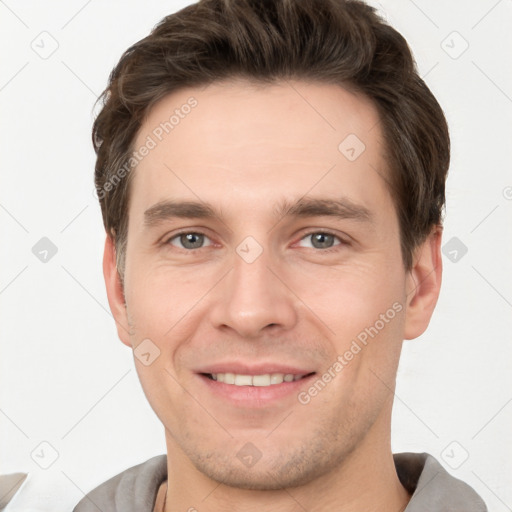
[{"x": 433, "y": 489}]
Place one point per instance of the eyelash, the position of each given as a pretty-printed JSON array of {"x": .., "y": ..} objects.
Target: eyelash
[
  {"x": 334, "y": 248},
  {"x": 323, "y": 232}
]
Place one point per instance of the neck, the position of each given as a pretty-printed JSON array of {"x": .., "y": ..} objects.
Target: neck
[{"x": 365, "y": 480}]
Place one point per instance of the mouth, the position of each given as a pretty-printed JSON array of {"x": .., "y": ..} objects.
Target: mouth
[
  {"x": 262, "y": 380},
  {"x": 254, "y": 389}
]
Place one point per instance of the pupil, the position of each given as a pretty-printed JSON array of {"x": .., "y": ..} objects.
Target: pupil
[
  {"x": 191, "y": 240},
  {"x": 322, "y": 240}
]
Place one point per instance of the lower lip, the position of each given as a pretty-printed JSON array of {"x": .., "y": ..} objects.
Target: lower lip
[{"x": 255, "y": 396}]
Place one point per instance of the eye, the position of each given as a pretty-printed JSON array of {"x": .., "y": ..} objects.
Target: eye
[
  {"x": 189, "y": 240},
  {"x": 320, "y": 240}
]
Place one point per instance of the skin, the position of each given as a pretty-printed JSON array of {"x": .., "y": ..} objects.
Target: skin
[{"x": 244, "y": 149}]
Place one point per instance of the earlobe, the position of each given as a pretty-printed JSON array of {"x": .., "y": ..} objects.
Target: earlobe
[
  {"x": 423, "y": 284},
  {"x": 115, "y": 292}
]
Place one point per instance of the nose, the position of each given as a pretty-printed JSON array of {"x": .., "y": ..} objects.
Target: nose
[{"x": 253, "y": 298}]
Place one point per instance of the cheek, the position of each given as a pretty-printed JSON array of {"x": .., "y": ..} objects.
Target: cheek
[
  {"x": 161, "y": 297},
  {"x": 349, "y": 299},
  {"x": 162, "y": 391}
]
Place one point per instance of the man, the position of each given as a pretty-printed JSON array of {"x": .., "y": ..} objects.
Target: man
[{"x": 271, "y": 176}]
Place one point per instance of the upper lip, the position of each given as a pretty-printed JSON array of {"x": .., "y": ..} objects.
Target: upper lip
[{"x": 240, "y": 368}]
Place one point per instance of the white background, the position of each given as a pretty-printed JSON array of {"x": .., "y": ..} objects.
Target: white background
[{"x": 65, "y": 377}]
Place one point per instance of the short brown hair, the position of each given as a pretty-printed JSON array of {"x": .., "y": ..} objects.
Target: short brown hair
[{"x": 343, "y": 42}]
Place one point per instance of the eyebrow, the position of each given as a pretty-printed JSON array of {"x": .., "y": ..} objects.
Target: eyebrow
[
  {"x": 167, "y": 210},
  {"x": 341, "y": 208}
]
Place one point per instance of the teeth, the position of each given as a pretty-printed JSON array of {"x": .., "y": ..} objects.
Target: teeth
[
  {"x": 243, "y": 380},
  {"x": 255, "y": 380},
  {"x": 262, "y": 380}
]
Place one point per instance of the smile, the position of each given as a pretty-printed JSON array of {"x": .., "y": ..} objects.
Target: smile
[{"x": 267, "y": 379}]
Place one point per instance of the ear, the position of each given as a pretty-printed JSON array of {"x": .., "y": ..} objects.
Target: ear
[
  {"x": 423, "y": 284},
  {"x": 115, "y": 291}
]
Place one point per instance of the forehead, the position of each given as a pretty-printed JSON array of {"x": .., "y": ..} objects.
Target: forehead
[{"x": 274, "y": 141}]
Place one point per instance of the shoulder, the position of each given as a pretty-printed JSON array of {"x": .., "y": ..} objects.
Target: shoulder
[
  {"x": 432, "y": 487},
  {"x": 134, "y": 489}
]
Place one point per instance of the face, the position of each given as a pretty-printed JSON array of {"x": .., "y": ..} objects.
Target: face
[{"x": 265, "y": 292}]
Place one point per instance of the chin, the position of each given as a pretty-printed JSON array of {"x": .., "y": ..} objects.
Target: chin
[
  {"x": 284, "y": 470},
  {"x": 258, "y": 480}
]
